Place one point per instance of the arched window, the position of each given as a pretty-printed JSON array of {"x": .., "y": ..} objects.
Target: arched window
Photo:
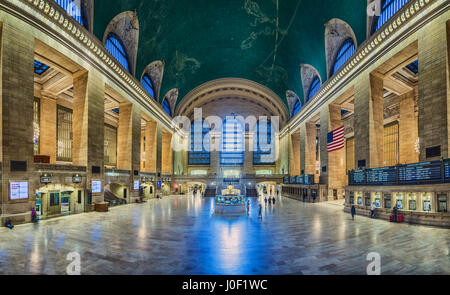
[
  {"x": 389, "y": 8},
  {"x": 297, "y": 108},
  {"x": 75, "y": 9},
  {"x": 232, "y": 150},
  {"x": 344, "y": 54},
  {"x": 166, "y": 107},
  {"x": 116, "y": 48},
  {"x": 264, "y": 144},
  {"x": 148, "y": 85},
  {"x": 315, "y": 86},
  {"x": 199, "y": 153}
]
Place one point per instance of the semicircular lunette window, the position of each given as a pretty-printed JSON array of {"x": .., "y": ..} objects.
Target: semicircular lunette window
[
  {"x": 166, "y": 107},
  {"x": 389, "y": 8},
  {"x": 74, "y": 8},
  {"x": 116, "y": 48},
  {"x": 314, "y": 88},
  {"x": 345, "y": 52},
  {"x": 148, "y": 86},
  {"x": 297, "y": 108}
]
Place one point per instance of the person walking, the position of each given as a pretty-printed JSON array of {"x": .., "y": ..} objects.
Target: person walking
[
  {"x": 372, "y": 210},
  {"x": 265, "y": 200},
  {"x": 248, "y": 207},
  {"x": 273, "y": 200},
  {"x": 260, "y": 211},
  {"x": 353, "y": 211},
  {"x": 33, "y": 215}
]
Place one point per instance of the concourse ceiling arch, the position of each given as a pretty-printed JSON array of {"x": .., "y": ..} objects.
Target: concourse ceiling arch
[
  {"x": 233, "y": 97},
  {"x": 259, "y": 40}
]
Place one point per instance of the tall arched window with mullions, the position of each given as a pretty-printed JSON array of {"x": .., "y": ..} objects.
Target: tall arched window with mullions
[
  {"x": 388, "y": 9},
  {"x": 297, "y": 108},
  {"x": 148, "y": 85},
  {"x": 315, "y": 86},
  {"x": 264, "y": 143},
  {"x": 232, "y": 150},
  {"x": 345, "y": 52},
  {"x": 199, "y": 153},
  {"x": 166, "y": 107},
  {"x": 115, "y": 46},
  {"x": 76, "y": 9}
]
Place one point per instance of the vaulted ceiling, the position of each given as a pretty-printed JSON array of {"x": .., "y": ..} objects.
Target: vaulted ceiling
[{"x": 260, "y": 40}]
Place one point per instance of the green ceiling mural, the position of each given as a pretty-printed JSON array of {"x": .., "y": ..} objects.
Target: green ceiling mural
[{"x": 260, "y": 40}]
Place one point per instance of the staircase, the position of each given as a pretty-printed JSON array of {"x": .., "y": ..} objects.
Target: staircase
[{"x": 113, "y": 200}]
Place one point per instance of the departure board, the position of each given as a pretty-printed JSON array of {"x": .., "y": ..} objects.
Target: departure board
[
  {"x": 299, "y": 180},
  {"x": 385, "y": 175},
  {"x": 358, "y": 177},
  {"x": 447, "y": 170},
  {"x": 309, "y": 179},
  {"x": 421, "y": 172},
  {"x": 286, "y": 180}
]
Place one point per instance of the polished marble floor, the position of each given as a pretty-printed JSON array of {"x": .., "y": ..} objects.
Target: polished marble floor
[{"x": 182, "y": 235}]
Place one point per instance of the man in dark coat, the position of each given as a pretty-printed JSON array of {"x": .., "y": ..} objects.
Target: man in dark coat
[{"x": 353, "y": 211}]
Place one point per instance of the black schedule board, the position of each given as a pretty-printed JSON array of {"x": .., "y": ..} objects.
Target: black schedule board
[
  {"x": 385, "y": 175},
  {"x": 299, "y": 180},
  {"x": 358, "y": 177},
  {"x": 447, "y": 170},
  {"x": 420, "y": 173},
  {"x": 309, "y": 179}
]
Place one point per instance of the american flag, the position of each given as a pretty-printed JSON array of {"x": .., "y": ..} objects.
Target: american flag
[{"x": 336, "y": 140}]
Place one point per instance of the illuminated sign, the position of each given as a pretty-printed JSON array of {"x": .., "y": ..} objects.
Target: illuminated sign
[
  {"x": 96, "y": 186},
  {"x": 136, "y": 185},
  {"x": 18, "y": 190}
]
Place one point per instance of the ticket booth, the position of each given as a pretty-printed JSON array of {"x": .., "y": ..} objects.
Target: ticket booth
[
  {"x": 376, "y": 198},
  {"x": 442, "y": 203},
  {"x": 426, "y": 200},
  {"x": 352, "y": 198},
  {"x": 412, "y": 202},
  {"x": 359, "y": 198},
  {"x": 367, "y": 200},
  {"x": 387, "y": 201},
  {"x": 399, "y": 201}
]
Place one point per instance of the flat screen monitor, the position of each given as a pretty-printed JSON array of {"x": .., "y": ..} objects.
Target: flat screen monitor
[
  {"x": 136, "y": 185},
  {"x": 159, "y": 184},
  {"x": 18, "y": 190},
  {"x": 96, "y": 186}
]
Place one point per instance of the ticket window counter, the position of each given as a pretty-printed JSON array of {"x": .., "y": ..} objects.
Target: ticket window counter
[
  {"x": 426, "y": 201},
  {"x": 388, "y": 201},
  {"x": 367, "y": 200},
  {"x": 376, "y": 199},
  {"x": 412, "y": 202},
  {"x": 352, "y": 198},
  {"x": 359, "y": 199},
  {"x": 399, "y": 201},
  {"x": 442, "y": 203}
]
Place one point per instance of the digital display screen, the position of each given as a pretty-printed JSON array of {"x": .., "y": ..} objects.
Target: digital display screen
[
  {"x": 381, "y": 175},
  {"x": 136, "y": 185},
  {"x": 299, "y": 180},
  {"x": 286, "y": 180},
  {"x": 18, "y": 190},
  {"x": 96, "y": 186},
  {"x": 358, "y": 177},
  {"x": 447, "y": 170},
  {"x": 159, "y": 184},
  {"x": 422, "y": 172}
]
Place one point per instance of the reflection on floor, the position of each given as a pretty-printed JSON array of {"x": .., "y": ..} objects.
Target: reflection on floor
[{"x": 181, "y": 235}]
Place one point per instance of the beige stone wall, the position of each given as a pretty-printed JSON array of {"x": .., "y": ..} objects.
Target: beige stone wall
[
  {"x": 48, "y": 125},
  {"x": 16, "y": 96},
  {"x": 167, "y": 154},
  {"x": 308, "y": 133},
  {"x": 369, "y": 120},
  {"x": 294, "y": 154},
  {"x": 433, "y": 94},
  {"x": 408, "y": 130},
  {"x": 150, "y": 147}
]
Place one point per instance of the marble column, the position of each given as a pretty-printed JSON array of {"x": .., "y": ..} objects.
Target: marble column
[
  {"x": 369, "y": 121},
  {"x": 308, "y": 133},
  {"x": 48, "y": 128},
  {"x": 88, "y": 126},
  {"x": 408, "y": 129},
  {"x": 434, "y": 88},
  {"x": 150, "y": 146},
  {"x": 16, "y": 120},
  {"x": 294, "y": 154},
  {"x": 334, "y": 175}
]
